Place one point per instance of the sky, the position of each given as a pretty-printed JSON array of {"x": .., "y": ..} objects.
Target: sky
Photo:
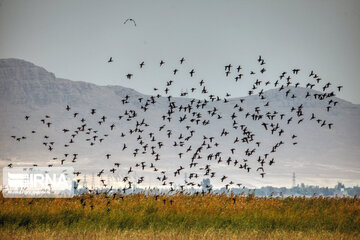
[{"x": 74, "y": 40}]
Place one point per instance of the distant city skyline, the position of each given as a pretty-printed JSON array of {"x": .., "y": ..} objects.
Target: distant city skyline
[{"x": 74, "y": 40}]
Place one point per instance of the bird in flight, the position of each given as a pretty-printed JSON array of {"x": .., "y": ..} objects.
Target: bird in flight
[
  {"x": 191, "y": 113},
  {"x": 130, "y": 20},
  {"x": 110, "y": 60}
]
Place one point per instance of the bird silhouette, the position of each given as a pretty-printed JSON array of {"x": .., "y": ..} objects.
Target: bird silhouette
[
  {"x": 197, "y": 131},
  {"x": 130, "y": 20}
]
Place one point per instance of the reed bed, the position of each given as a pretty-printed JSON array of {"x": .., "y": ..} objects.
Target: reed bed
[{"x": 181, "y": 216}]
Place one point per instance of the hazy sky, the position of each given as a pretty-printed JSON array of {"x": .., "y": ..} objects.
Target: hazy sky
[{"x": 74, "y": 39}]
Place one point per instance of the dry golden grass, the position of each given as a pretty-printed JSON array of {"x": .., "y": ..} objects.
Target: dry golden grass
[
  {"x": 167, "y": 235},
  {"x": 209, "y": 216}
]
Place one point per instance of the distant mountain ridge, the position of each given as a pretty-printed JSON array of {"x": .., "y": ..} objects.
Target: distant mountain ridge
[
  {"x": 26, "y": 89},
  {"x": 41, "y": 87}
]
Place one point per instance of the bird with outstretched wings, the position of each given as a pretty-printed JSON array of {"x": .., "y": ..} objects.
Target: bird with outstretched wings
[{"x": 131, "y": 20}]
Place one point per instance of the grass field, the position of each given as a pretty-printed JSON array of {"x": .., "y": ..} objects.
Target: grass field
[{"x": 180, "y": 216}]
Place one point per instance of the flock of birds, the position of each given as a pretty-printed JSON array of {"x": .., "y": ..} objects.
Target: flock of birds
[{"x": 200, "y": 157}]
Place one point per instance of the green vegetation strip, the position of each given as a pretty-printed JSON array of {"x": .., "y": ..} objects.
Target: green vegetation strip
[{"x": 141, "y": 212}]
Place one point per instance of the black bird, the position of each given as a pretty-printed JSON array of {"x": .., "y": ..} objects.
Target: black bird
[
  {"x": 228, "y": 67},
  {"x": 130, "y": 20},
  {"x": 192, "y": 113},
  {"x": 101, "y": 172}
]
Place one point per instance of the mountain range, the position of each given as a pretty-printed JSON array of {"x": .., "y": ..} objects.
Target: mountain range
[{"x": 321, "y": 156}]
